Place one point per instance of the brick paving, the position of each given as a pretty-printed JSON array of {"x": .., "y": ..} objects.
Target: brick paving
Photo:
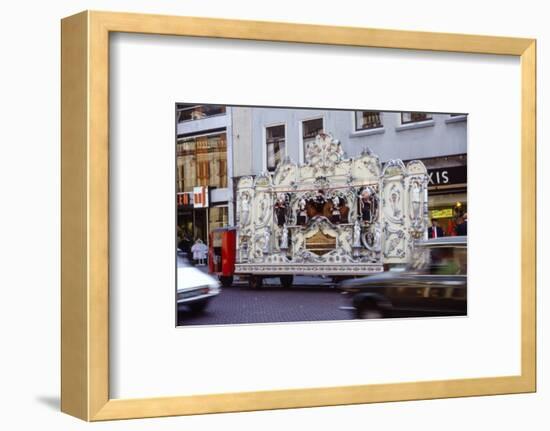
[{"x": 239, "y": 304}]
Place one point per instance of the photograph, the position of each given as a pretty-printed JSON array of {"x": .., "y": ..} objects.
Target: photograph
[{"x": 302, "y": 214}]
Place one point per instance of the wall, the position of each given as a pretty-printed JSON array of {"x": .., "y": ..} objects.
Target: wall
[
  {"x": 242, "y": 141},
  {"x": 207, "y": 124},
  {"x": 29, "y": 174},
  {"x": 438, "y": 137}
]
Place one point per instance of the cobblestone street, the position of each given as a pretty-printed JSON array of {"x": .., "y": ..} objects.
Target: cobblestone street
[{"x": 239, "y": 304}]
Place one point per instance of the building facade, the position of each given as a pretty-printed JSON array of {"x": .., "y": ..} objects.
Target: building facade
[
  {"x": 216, "y": 145},
  {"x": 203, "y": 172},
  {"x": 263, "y": 137}
]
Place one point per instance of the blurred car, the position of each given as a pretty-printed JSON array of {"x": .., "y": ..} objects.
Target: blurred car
[
  {"x": 195, "y": 288},
  {"x": 433, "y": 284}
]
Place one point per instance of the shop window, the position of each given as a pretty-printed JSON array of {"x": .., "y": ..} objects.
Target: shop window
[
  {"x": 218, "y": 217},
  {"x": 275, "y": 146},
  {"x": 202, "y": 161},
  {"x": 365, "y": 120},
  {"x": 414, "y": 117}
]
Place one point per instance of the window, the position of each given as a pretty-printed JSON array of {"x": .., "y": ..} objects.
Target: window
[
  {"x": 413, "y": 117},
  {"x": 365, "y": 120},
  {"x": 202, "y": 161},
  {"x": 275, "y": 146},
  {"x": 310, "y": 129},
  {"x": 218, "y": 217},
  {"x": 187, "y": 112}
]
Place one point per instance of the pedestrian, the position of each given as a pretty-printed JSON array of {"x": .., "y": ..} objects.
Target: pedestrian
[
  {"x": 450, "y": 229},
  {"x": 185, "y": 245},
  {"x": 199, "y": 250},
  {"x": 435, "y": 231},
  {"x": 461, "y": 228}
]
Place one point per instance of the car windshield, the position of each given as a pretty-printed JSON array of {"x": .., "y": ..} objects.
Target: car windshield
[{"x": 440, "y": 261}]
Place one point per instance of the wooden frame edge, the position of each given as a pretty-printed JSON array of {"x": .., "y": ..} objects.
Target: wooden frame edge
[
  {"x": 315, "y": 397},
  {"x": 74, "y": 255},
  {"x": 309, "y": 33},
  {"x": 85, "y": 258},
  {"x": 529, "y": 214}
]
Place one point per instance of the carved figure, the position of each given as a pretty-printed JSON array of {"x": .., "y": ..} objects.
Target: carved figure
[
  {"x": 263, "y": 208},
  {"x": 344, "y": 243},
  {"x": 357, "y": 234},
  {"x": 301, "y": 218},
  {"x": 368, "y": 203},
  {"x": 244, "y": 216},
  {"x": 280, "y": 209},
  {"x": 284, "y": 238},
  {"x": 267, "y": 236},
  {"x": 416, "y": 200},
  {"x": 394, "y": 202}
]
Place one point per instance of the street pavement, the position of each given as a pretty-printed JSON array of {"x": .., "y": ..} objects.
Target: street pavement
[
  {"x": 311, "y": 298},
  {"x": 239, "y": 304}
]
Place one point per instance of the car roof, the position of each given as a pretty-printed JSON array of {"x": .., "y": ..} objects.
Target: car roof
[{"x": 445, "y": 241}]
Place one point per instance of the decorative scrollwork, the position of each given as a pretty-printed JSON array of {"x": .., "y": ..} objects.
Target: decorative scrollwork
[
  {"x": 331, "y": 211},
  {"x": 394, "y": 239},
  {"x": 323, "y": 154}
]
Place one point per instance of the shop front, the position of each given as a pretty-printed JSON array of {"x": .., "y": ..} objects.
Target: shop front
[
  {"x": 198, "y": 215},
  {"x": 447, "y": 192},
  {"x": 202, "y": 182}
]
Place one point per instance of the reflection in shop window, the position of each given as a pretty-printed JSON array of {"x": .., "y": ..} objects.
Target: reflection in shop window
[
  {"x": 275, "y": 146},
  {"x": 218, "y": 217},
  {"x": 202, "y": 161},
  {"x": 365, "y": 120}
]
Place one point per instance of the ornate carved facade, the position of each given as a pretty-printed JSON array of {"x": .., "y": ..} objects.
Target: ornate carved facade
[{"x": 332, "y": 215}]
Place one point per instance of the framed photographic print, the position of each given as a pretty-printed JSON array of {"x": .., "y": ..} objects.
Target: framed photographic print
[
  {"x": 264, "y": 215},
  {"x": 339, "y": 230}
]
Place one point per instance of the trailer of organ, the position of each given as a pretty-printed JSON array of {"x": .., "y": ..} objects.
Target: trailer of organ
[{"x": 332, "y": 215}]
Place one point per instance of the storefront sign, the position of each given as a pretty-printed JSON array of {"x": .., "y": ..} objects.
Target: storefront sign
[
  {"x": 441, "y": 213},
  {"x": 185, "y": 198},
  {"x": 200, "y": 197},
  {"x": 443, "y": 176}
]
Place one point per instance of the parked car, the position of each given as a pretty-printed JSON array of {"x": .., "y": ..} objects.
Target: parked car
[
  {"x": 195, "y": 288},
  {"x": 433, "y": 284}
]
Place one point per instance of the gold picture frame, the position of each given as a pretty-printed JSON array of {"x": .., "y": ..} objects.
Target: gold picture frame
[{"x": 85, "y": 223}]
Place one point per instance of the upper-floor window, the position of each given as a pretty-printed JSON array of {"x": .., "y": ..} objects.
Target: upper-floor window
[
  {"x": 365, "y": 120},
  {"x": 310, "y": 130},
  {"x": 275, "y": 146},
  {"x": 414, "y": 117},
  {"x": 201, "y": 161},
  {"x": 186, "y": 112}
]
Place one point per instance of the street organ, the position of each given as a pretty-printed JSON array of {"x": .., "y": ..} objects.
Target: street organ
[{"x": 332, "y": 215}]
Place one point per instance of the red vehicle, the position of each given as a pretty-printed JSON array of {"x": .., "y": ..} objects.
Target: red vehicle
[{"x": 221, "y": 254}]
